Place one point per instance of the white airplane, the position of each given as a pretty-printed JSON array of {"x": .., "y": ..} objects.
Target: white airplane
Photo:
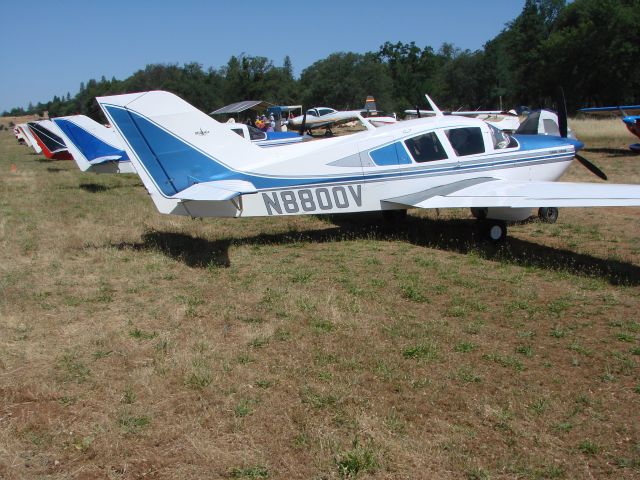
[
  {"x": 192, "y": 165},
  {"x": 506, "y": 121},
  {"x": 20, "y": 136},
  {"x": 94, "y": 147},
  {"x": 264, "y": 139},
  {"x": 323, "y": 117},
  {"x": 29, "y": 139}
]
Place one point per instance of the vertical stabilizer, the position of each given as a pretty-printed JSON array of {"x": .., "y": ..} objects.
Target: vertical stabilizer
[
  {"x": 174, "y": 146},
  {"x": 93, "y": 146}
]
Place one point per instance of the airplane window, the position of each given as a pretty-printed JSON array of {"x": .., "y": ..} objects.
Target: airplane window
[
  {"x": 255, "y": 134},
  {"x": 238, "y": 131},
  {"x": 466, "y": 141},
  {"x": 551, "y": 127},
  {"x": 500, "y": 139},
  {"x": 426, "y": 148},
  {"x": 325, "y": 111},
  {"x": 313, "y": 113}
]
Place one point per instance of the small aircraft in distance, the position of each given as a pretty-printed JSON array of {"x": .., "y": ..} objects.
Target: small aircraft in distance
[
  {"x": 29, "y": 138},
  {"x": 20, "y": 136},
  {"x": 46, "y": 135},
  {"x": 264, "y": 139},
  {"x": 323, "y": 117},
  {"x": 94, "y": 147},
  {"x": 192, "y": 165},
  {"x": 630, "y": 117}
]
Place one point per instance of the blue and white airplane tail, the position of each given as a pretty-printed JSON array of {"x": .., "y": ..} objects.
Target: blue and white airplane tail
[
  {"x": 94, "y": 147},
  {"x": 180, "y": 152}
]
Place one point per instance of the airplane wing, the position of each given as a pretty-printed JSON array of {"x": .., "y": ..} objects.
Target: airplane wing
[
  {"x": 624, "y": 110},
  {"x": 465, "y": 113},
  {"x": 492, "y": 192}
]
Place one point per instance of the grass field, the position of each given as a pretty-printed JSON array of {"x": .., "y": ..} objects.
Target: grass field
[{"x": 135, "y": 345}]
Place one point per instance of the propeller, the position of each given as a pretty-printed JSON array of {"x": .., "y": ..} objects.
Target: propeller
[
  {"x": 564, "y": 129},
  {"x": 303, "y": 125},
  {"x": 591, "y": 167},
  {"x": 562, "y": 114}
]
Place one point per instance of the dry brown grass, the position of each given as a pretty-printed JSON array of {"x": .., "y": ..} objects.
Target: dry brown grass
[
  {"x": 9, "y": 121},
  {"x": 603, "y": 132},
  {"x": 135, "y": 345}
]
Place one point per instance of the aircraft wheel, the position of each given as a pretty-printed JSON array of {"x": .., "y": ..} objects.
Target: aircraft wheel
[
  {"x": 328, "y": 133},
  {"x": 548, "y": 214},
  {"x": 479, "y": 212},
  {"x": 495, "y": 231}
]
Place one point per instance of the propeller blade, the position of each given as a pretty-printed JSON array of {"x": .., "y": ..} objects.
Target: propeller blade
[
  {"x": 591, "y": 167},
  {"x": 418, "y": 111},
  {"x": 562, "y": 114},
  {"x": 303, "y": 125}
]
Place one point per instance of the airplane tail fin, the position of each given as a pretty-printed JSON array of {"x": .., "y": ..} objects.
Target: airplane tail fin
[
  {"x": 29, "y": 136},
  {"x": 46, "y": 135},
  {"x": 175, "y": 146},
  {"x": 93, "y": 146},
  {"x": 370, "y": 104}
]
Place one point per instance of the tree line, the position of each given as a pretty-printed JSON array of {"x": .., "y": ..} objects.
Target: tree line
[{"x": 589, "y": 47}]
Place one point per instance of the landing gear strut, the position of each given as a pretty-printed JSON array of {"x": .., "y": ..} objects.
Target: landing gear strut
[
  {"x": 548, "y": 214},
  {"x": 479, "y": 212}
]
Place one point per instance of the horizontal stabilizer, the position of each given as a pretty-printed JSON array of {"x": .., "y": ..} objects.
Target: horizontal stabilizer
[
  {"x": 216, "y": 190},
  {"x": 488, "y": 192}
]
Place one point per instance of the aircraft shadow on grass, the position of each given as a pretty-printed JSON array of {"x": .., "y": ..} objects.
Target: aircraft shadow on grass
[
  {"x": 448, "y": 235},
  {"x": 92, "y": 187},
  {"x": 611, "y": 152}
]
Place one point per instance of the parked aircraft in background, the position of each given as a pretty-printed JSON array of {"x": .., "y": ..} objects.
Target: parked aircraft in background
[
  {"x": 94, "y": 147},
  {"x": 503, "y": 120},
  {"x": 192, "y": 165},
  {"x": 630, "y": 117},
  {"x": 20, "y": 136},
  {"x": 542, "y": 122},
  {"x": 29, "y": 138},
  {"x": 46, "y": 135},
  {"x": 323, "y": 117},
  {"x": 264, "y": 139}
]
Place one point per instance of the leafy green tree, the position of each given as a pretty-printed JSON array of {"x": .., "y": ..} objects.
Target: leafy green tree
[{"x": 343, "y": 81}]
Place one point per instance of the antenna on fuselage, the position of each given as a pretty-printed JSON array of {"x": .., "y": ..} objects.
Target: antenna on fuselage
[{"x": 434, "y": 107}]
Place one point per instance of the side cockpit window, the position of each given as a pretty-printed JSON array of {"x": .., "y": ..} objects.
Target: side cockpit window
[
  {"x": 466, "y": 141},
  {"x": 501, "y": 139},
  {"x": 426, "y": 148}
]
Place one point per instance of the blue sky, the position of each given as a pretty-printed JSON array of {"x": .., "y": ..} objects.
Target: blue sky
[{"x": 53, "y": 45}]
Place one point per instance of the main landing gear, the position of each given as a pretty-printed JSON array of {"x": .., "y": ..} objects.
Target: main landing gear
[
  {"x": 548, "y": 214},
  {"x": 491, "y": 229}
]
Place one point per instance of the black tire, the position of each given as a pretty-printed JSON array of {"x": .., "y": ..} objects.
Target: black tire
[{"x": 548, "y": 214}]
